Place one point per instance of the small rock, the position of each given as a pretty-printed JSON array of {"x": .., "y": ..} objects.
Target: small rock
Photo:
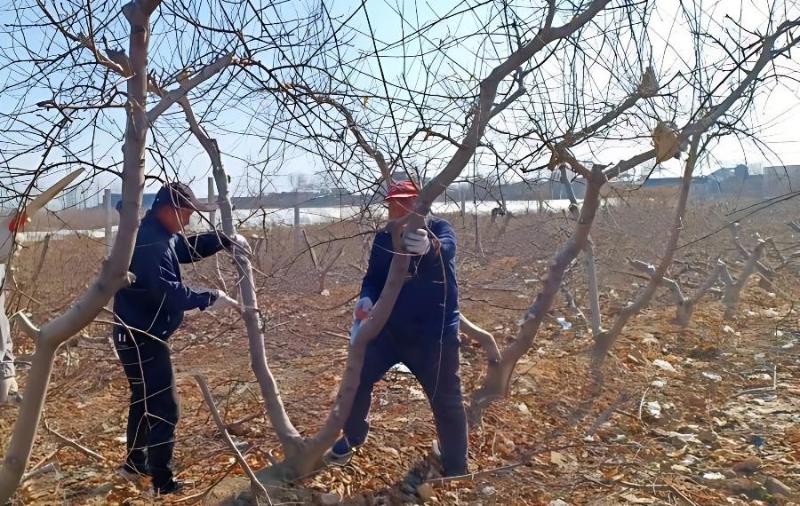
[
  {"x": 653, "y": 409},
  {"x": 707, "y": 437},
  {"x": 712, "y": 376},
  {"x": 663, "y": 364},
  {"x": 523, "y": 408},
  {"x": 747, "y": 466},
  {"x": 330, "y": 499},
  {"x": 744, "y": 486},
  {"x": 425, "y": 492},
  {"x": 658, "y": 383},
  {"x": 557, "y": 502},
  {"x": 714, "y": 476},
  {"x": 776, "y": 487},
  {"x": 237, "y": 429},
  {"x": 683, "y": 437},
  {"x": 488, "y": 490},
  {"x": 680, "y": 469}
]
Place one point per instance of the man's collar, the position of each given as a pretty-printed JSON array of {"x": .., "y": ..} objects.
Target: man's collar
[{"x": 153, "y": 222}]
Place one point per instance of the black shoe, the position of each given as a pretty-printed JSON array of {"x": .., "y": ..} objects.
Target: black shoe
[
  {"x": 342, "y": 452},
  {"x": 172, "y": 487}
]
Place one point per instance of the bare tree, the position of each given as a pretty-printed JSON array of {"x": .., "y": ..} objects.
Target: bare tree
[
  {"x": 115, "y": 271},
  {"x": 90, "y": 94},
  {"x": 484, "y": 109}
]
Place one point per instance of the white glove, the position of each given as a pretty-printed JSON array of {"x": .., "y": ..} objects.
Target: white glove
[
  {"x": 8, "y": 390},
  {"x": 362, "y": 309},
  {"x": 223, "y": 301},
  {"x": 416, "y": 241},
  {"x": 238, "y": 242}
]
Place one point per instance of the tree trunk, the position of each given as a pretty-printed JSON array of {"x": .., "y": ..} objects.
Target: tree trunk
[
  {"x": 496, "y": 382},
  {"x": 114, "y": 273},
  {"x": 290, "y": 438},
  {"x": 589, "y": 263},
  {"x": 733, "y": 291},
  {"x": 604, "y": 341}
]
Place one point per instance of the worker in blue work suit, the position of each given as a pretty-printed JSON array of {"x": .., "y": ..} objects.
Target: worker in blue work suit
[
  {"x": 422, "y": 332},
  {"x": 148, "y": 312}
]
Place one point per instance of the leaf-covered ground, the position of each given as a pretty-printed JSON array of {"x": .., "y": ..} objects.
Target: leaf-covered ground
[{"x": 704, "y": 415}]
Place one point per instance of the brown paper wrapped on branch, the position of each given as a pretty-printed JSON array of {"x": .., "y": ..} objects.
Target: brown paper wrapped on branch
[{"x": 666, "y": 142}]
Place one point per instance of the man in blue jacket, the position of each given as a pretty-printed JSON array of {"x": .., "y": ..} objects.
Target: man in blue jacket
[
  {"x": 422, "y": 332},
  {"x": 148, "y": 312}
]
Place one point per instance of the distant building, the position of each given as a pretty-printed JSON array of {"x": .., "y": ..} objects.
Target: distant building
[
  {"x": 147, "y": 200},
  {"x": 738, "y": 181}
]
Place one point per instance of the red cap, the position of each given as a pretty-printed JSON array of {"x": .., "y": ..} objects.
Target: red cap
[
  {"x": 402, "y": 190},
  {"x": 18, "y": 222}
]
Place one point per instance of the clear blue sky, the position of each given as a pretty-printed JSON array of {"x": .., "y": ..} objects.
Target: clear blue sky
[{"x": 670, "y": 51}]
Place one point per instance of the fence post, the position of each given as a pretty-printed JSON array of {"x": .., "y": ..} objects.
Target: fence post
[
  {"x": 109, "y": 210},
  {"x": 212, "y": 216},
  {"x": 296, "y": 228}
]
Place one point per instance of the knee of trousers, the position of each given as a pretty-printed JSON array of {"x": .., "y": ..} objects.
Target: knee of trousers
[
  {"x": 448, "y": 405},
  {"x": 164, "y": 406}
]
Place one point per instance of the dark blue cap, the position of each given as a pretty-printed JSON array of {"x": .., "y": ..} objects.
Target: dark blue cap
[{"x": 180, "y": 196}]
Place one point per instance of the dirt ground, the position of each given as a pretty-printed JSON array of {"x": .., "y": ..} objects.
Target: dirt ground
[{"x": 704, "y": 415}]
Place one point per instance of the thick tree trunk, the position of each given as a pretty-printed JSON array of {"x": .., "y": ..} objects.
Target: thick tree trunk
[{"x": 310, "y": 459}]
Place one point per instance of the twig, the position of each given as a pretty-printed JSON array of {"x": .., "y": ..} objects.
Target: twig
[
  {"x": 74, "y": 444},
  {"x": 683, "y": 496},
  {"x": 201, "y": 495},
  {"x": 49, "y": 468},
  {"x": 658, "y": 486},
  {"x": 336, "y": 334},
  {"x": 221, "y": 426},
  {"x": 246, "y": 419},
  {"x": 756, "y": 390},
  {"x": 47, "y": 458},
  {"x": 641, "y": 403}
]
